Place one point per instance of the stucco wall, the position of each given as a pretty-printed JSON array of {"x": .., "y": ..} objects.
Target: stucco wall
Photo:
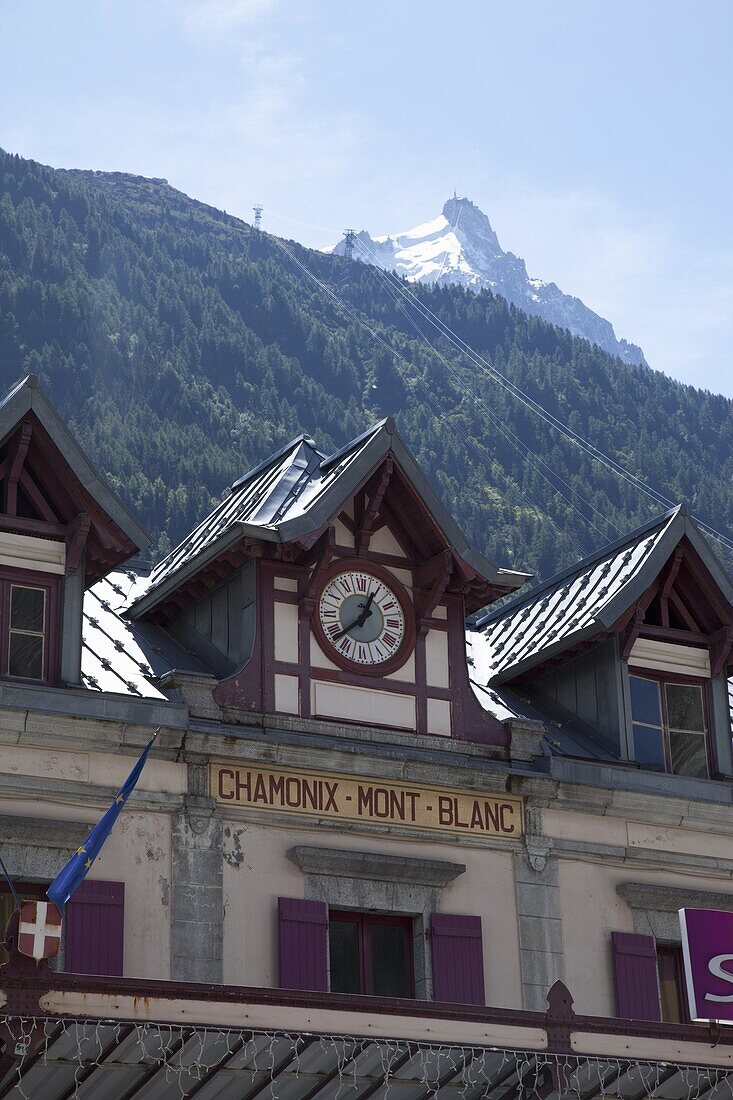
[{"x": 257, "y": 872}]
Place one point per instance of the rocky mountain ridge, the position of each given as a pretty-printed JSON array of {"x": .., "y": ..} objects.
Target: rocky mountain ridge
[{"x": 460, "y": 247}]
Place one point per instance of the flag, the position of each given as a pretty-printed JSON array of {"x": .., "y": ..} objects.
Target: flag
[{"x": 75, "y": 871}]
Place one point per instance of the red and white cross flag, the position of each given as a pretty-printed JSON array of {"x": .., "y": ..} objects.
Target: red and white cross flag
[{"x": 39, "y": 930}]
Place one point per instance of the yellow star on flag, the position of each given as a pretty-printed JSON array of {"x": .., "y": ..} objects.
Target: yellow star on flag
[
  {"x": 81, "y": 851},
  {"x": 87, "y": 863},
  {"x": 119, "y": 799}
]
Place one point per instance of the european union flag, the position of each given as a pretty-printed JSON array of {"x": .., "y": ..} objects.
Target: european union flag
[{"x": 75, "y": 871}]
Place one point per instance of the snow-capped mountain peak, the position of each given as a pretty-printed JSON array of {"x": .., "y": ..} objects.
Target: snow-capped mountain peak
[{"x": 461, "y": 247}]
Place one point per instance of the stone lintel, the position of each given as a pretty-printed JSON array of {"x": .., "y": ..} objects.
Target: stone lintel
[
  {"x": 40, "y": 832},
  {"x": 374, "y": 866},
  {"x": 638, "y": 895}
]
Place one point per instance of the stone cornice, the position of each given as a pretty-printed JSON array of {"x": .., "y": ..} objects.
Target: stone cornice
[{"x": 82, "y": 794}]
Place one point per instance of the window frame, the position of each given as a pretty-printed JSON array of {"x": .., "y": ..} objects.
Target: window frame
[
  {"x": 50, "y": 584},
  {"x": 662, "y": 679},
  {"x": 364, "y": 921}
]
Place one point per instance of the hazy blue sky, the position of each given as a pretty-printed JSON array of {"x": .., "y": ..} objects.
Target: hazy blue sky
[{"x": 596, "y": 135}]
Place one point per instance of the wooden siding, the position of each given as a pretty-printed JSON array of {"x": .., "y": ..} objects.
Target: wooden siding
[
  {"x": 220, "y": 626},
  {"x": 588, "y": 688}
]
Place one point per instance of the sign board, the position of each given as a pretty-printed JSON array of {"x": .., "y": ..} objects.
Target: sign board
[
  {"x": 356, "y": 799},
  {"x": 707, "y": 949}
]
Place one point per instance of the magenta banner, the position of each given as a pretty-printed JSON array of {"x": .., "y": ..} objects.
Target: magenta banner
[{"x": 707, "y": 948}]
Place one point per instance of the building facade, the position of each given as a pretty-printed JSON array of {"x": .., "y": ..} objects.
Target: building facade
[{"x": 403, "y": 827}]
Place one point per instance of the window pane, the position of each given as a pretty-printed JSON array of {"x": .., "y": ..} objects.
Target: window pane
[
  {"x": 26, "y": 656},
  {"x": 389, "y": 960},
  {"x": 645, "y": 701},
  {"x": 26, "y": 611},
  {"x": 684, "y": 706},
  {"x": 688, "y": 754},
  {"x": 649, "y": 747},
  {"x": 343, "y": 942},
  {"x": 670, "y": 985}
]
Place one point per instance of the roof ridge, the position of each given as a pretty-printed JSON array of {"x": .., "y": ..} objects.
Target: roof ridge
[
  {"x": 387, "y": 424},
  {"x": 578, "y": 567},
  {"x": 296, "y": 442}
]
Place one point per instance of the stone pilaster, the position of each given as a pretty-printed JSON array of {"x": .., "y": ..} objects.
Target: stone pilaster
[
  {"x": 197, "y": 916},
  {"x": 542, "y": 958}
]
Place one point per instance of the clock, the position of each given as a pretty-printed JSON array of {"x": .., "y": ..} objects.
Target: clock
[{"x": 363, "y": 618}]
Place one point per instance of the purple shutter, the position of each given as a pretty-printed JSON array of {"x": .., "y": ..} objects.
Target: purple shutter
[
  {"x": 458, "y": 959},
  {"x": 95, "y": 928},
  {"x": 635, "y": 974},
  {"x": 303, "y": 933}
]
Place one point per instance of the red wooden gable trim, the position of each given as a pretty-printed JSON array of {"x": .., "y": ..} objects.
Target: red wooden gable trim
[
  {"x": 672, "y": 572},
  {"x": 21, "y": 450},
  {"x": 367, "y": 514},
  {"x": 32, "y": 463}
]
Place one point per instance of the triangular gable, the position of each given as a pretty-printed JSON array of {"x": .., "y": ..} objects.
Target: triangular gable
[
  {"x": 51, "y": 490},
  {"x": 290, "y": 501},
  {"x": 601, "y": 594}
]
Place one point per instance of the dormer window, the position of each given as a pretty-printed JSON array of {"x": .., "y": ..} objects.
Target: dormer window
[
  {"x": 27, "y": 641},
  {"x": 670, "y": 725},
  {"x": 30, "y": 633}
]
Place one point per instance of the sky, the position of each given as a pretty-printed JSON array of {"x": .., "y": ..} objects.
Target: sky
[{"x": 596, "y": 134}]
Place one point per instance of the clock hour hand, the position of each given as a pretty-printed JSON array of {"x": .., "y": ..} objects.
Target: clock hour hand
[
  {"x": 366, "y": 612},
  {"x": 359, "y": 621}
]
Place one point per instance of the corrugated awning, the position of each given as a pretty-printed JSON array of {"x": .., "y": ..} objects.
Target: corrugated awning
[{"x": 72, "y": 1059}]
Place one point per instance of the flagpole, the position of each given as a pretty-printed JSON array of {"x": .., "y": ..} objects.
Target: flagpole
[{"x": 10, "y": 883}]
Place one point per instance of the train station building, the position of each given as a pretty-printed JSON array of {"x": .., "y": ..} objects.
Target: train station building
[{"x": 412, "y": 827}]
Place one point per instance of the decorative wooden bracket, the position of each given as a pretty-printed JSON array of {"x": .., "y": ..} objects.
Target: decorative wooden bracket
[
  {"x": 674, "y": 568},
  {"x": 76, "y": 536},
  {"x": 368, "y": 518},
  {"x": 632, "y": 632},
  {"x": 16, "y": 468},
  {"x": 253, "y": 547},
  {"x": 720, "y": 647},
  {"x": 431, "y": 581},
  {"x": 323, "y": 550}
]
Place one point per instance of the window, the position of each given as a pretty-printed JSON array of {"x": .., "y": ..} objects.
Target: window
[
  {"x": 670, "y": 726},
  {"x": 370, "y": 954},
  {"x": 27, "y": 632},
  {"x": 672, "y": 989},
  {"x": 30, "y": 630},
  {"x": 649, "y": 979}
]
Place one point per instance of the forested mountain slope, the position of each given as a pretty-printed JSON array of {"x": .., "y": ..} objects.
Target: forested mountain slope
[{"x": 183, "y": 347}]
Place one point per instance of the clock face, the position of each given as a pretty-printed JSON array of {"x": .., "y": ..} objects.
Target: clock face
[{"x": 362, "y": 619}]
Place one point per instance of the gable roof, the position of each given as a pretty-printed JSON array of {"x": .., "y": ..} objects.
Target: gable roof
[
  {"x": 293, "y": 494},
  {"x": 584, "y": 600},
  {"x": 29, "y": 398}
]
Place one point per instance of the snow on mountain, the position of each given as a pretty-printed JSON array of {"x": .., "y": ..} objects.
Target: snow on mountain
[{"x": 460, "y": 246}]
